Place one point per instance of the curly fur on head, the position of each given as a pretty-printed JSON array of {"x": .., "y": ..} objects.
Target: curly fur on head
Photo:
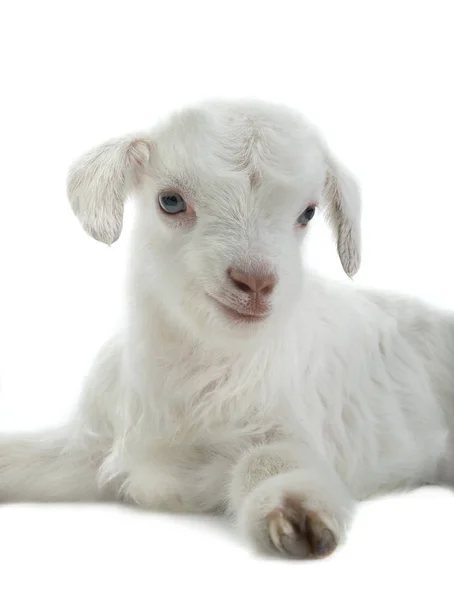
[{"x": 241, "y": 381}]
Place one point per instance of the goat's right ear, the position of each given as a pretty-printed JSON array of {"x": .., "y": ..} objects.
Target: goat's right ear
[{"x": 99, "y": 182}]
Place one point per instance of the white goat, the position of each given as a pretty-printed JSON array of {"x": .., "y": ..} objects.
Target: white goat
[{"x": 240, "y": 382}]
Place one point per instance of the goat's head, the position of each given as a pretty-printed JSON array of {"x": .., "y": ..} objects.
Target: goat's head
[{"x": 224, "y": 194}]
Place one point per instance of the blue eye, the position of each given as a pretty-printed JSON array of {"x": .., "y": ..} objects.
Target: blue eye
[
  {"x": 172, "y": 203},
  {"x": 306, "y": 216}
]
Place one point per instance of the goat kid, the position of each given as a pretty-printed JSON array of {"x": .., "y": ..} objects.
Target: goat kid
[{"x": 241, "y": 382}]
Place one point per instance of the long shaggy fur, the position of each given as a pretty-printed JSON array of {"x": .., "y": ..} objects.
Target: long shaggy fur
[{"x": 285, "y": 422}]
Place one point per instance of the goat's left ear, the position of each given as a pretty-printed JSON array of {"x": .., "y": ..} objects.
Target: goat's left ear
[
  {"x": 343, "y": 210},
  {"x": 99, "y": 182}
]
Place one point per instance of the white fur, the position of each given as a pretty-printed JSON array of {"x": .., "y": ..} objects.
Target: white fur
[{"x": 339, "y": 394}]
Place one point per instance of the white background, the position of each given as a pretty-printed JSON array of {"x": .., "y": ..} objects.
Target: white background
[{"x": 376, "y": 77}]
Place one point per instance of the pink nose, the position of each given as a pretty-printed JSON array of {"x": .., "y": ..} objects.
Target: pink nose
[{"x": 252, "y": 283}]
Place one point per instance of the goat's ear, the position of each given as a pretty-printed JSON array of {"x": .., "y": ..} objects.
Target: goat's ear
[
  {"x": 343, "y": 211},
  {"x": 99, "y": 182}
]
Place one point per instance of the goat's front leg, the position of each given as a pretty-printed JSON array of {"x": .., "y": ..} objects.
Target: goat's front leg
[{"x": 288, "y": 500}]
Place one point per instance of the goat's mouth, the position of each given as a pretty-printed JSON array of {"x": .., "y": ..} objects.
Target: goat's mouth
[{"x": 240, "y": 315}]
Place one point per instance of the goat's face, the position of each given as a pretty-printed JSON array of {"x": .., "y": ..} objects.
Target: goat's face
[{"x": 225, "y": 194}]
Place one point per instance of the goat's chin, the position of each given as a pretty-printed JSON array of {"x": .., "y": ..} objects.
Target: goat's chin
[
  {"x": 215, "y": 325},
  {"x": 218, "y": 327}
]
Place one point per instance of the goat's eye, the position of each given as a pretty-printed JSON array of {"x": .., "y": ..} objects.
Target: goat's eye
[
  {"x": 306, "y": 216},
  {"x": 172, "y": 203}
]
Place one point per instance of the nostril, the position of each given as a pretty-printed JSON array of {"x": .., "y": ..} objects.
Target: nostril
[
  {"x": 268, "y": 287},
  {"x": 242, "y": 286},
  {"x": 267, "y": 284},
  {"x": 252, "y": 283},
  {"x": 240, "y": 280}
]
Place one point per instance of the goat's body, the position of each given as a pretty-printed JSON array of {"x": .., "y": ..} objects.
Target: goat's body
[
  {"x": 337, "y": 395},
  {"x": 361, "y": 383},
  {"x": 372, "y": 405}
]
